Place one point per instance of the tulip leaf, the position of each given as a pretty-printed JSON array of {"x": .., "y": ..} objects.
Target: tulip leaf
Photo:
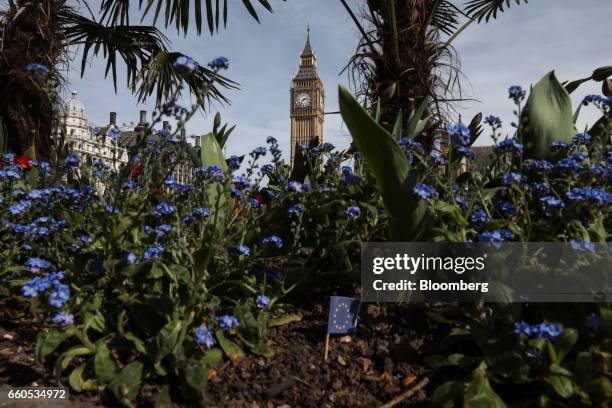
[
  {"x": 233, "y": 350},
  {"x": 546, "y": 118},
  {"x": 389, "y": 166},
  {"x": 211, "y": 152}
]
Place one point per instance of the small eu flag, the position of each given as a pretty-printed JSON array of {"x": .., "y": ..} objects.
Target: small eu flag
[{"x": 343, "y": 313}]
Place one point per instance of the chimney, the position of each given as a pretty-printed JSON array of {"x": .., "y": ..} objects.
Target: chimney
[
  {"x": 113, "y": 118},
  {"x": 143, "y": 116}
]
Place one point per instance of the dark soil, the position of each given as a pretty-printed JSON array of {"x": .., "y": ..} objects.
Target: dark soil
[{"x": 366, "y": 369}]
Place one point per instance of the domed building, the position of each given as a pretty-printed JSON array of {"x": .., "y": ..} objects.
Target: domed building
[{"x": 87, "y": 141}]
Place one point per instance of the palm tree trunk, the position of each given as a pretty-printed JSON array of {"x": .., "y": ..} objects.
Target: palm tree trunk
[
  {"x": 26, "y": 103},
  {"x": 404, "y": 71}
]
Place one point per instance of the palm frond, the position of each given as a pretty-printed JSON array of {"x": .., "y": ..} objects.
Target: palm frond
[
  {"x": 178, "y": 11},
  {"x": 133, "y": 44},
  {"x": 445, "y": 17},
  {"x": 115, "y": 12},
  {"x": 485, "y": 9},
  {"x": 160, "y": 79}
]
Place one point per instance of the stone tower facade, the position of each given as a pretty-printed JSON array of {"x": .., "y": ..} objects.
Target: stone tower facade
[{"x": 307, "y": 99}]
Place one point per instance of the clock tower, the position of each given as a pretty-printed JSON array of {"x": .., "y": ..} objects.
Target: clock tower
[{"x": 307, "y": 100}]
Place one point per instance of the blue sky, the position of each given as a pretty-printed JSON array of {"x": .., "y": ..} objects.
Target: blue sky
[{"x": 518, "y": 48}]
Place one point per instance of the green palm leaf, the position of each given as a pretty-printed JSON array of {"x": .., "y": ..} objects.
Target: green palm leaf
[
  {"x": 157, "y": 77},
  {"x": 133, "y": 44},
  {"x": 177, "y": 11},
  {"x": 485, "y": 9}
]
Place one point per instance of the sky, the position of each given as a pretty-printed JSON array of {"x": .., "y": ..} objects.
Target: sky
[{"x": 518, "y": 48}]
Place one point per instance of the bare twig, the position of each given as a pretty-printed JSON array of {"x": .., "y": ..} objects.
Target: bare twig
[{"x": 405, "y": 395}]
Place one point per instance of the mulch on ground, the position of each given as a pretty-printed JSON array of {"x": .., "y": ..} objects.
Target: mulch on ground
[{"x": 366, "y": 369}]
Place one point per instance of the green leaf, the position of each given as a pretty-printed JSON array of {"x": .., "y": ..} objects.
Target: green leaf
[
  {"x": 167, "y": 339},
  {"x": 211, "y": 357},
  {"x": 65, "y": 358},
  {"x": 448, "y": 394},
  {"x": 479, "y": 393},
  {"x": 162, "y": 399},
  {"x": 389, "y": 166},
  {"x": 564, "y": 343},
  {"x": 262, "y": 349},
  {"x": 561, "y": 381},
  {"x": 75, "y": 379},
  {"x": 46, "y": 343},
  {"x": 211, "y": 152},
  {"x": 126, "y": 385},
  {"x": 415, "y": 124},
  {"x": 397, "y": 128},
  {"x": 230, "y": 348},
  {"x": 546, "y": 118},
  {"x": 196, "y": 378},
  {"x": 284, "y": 319},
  {"x": 104, "y": 365}
]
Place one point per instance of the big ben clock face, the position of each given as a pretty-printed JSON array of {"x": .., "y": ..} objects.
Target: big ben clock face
[{"x": 302, "y": 100}]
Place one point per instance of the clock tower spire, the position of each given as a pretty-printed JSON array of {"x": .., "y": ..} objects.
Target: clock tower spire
[{"x": 307, "y": 99}]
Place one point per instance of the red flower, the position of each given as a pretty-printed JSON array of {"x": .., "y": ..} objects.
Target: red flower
[
  {"x": 137, "y": 170},
  {"x": 23, "y": 162},
  {"x": 259, "y": 199}
]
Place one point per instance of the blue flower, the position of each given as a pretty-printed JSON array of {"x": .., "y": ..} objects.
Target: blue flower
[
  {"x": 595, "y": 322},
  {"x": 522, "y": 328},
  {"x": 480, "y": 217},
  {"x": 516, "y": 93},
  {"x": 267, "y": 168},
  {"x": 71, "y": 162},
  {"x": 200, "y": 212},
  {"x": 219, "y": 63},
  {"x": 507, "y": 208},
  {"x": 228, "y": 322},
  {"x": 20, "y": 207},
  {"x": 582, "y": 245},
  {"x": 204, "y": 337},
  {"x": 86, "y": 239},
  {"x": 493, "y": 121},
  {"x": 559, "y": 146},
  {"x": 295, "y": 209},
  {"x": 258, "y": 152},
  {"x": 244, "y": 250},
  {"x": 262, "y": 301},
  {"x": 352, "y": 212},
  {"x": 170, "y": 181},
  {"x": 493, "y": 237},
  {"x": 185, "y": 64},
  {"x": 234, "y": 162},
  {"x": 581, "y": 139},
  {"x": 154, "y": 251},
  {"x": 60, "y": 295},
  {"x": 462, "y": 151},
  {"x": 540, "y": 188},
  {"x": 424, "y": 191},
  {"x": 28, "y": 290},
  {"x": 510, "y": 145},
  {"x": 37, "y": 68},
  {"x": 459, "y": 134},
  {"x": 273, "y": 240},
  {"x": 131, "y": 258},
  {"x": 241, "y": 181},
  {"x": 295, "y": 186},
  {"x": 37, "y": 264},
  {"x": 254, "y": 203},
  {"x": 512, "y": 178},
  {"x": 163, "y": 208},
  {"x": 235, "y": 193},
  {"x": 63, "y": 318},
  {"x": 552, "y": 205}
]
